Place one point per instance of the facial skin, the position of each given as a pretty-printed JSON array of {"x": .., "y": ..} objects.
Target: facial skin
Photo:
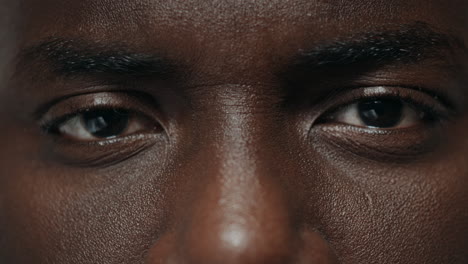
[{"x": 233, "y": 131}]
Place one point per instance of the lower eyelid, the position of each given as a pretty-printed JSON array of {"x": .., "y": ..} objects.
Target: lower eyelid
[
  {"x": 104, "y": 153},
  {"x": 397, "y": 145}
]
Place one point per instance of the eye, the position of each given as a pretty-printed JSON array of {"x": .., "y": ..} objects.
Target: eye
[
  {"x": 102, "y": 129},
  {"x": 384, "y": 113},
  {"x": 101, "y": 124},
  {"x": 385, "y": 124}
]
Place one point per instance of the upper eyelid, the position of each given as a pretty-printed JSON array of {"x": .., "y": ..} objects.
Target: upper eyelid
[
  {"x": 110, "y": 89},
  {"x": 402, "y": 92},
  {"x": 408, "y": 95},
  {"x": 384, "y": 89},
  {"x": 328, "y": 90}
]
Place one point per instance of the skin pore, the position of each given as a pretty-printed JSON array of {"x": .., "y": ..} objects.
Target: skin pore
[{"x": 237, "y": 131}]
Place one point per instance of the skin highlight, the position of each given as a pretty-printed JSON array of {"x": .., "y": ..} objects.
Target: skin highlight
[{"x": 241, "y": 145}]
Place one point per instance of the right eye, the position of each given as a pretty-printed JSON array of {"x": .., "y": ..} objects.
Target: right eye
[{"x": 102, "y": 124}]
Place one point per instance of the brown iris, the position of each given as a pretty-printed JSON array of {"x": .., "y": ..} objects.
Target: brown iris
[
  {"x": 381, "y": 113},
  {"x": 106, "y": 123}
]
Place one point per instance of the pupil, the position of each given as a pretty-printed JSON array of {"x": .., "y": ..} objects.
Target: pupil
[
  {"x": 383, "y": 113},
  {"x": 106, "y": 123}
]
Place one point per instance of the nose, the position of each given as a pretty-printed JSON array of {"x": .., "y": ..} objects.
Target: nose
[
  {"x": 235, "y": 226},
  {"x": 239, "y": 212},
  {"x": 241, "y": 222}
]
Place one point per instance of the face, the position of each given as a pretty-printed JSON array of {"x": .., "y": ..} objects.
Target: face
[{"x": 233, "y": 131}]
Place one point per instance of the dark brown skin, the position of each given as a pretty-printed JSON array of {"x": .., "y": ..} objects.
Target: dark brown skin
[{"x": 235, "y": 151}]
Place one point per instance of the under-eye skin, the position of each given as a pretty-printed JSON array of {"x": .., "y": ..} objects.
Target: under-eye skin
[{"x": 385, "y": 122}]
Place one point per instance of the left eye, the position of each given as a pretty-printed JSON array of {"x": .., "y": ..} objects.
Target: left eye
[
  {"x": 101, "y": 124},
  {"x": 384, "y": 113}
]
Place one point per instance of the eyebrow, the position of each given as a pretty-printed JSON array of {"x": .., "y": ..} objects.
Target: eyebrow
[
  {"x": 408, "y": 44},
  {"x": 70, "y": 57}
]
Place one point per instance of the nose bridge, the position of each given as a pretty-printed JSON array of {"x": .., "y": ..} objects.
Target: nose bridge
[
  {"x": 248, "y": 171},
  {"x": 244, "y": 150}
]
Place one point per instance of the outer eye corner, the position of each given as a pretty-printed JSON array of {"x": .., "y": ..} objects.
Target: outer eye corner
[{"x": 50, "y": 127}]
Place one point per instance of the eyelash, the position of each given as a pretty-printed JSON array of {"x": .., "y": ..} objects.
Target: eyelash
[
  {"x": 138, "y": 105},
  {"x": 51, "y": 126},
  {"x": 439, "y": 110}
]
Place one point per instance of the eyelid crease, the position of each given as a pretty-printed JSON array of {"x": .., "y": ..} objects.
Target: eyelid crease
[{"x": 397, "y": 91}]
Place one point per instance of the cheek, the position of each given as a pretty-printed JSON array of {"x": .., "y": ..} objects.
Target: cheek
[
  {"x": 393, "y": 213},
  {"x": 65, "y": 215}
]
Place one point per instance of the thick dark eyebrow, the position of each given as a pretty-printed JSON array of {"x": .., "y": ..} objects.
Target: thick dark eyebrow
[
  {"x": 407, "y": 44},
  {"x": 68, "y": 57}
]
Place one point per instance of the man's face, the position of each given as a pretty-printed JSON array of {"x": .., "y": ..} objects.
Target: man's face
[{"x": 234, "y": 131}]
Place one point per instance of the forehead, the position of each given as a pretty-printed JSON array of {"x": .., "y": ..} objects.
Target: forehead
[{"x": 118, "y": 18}]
